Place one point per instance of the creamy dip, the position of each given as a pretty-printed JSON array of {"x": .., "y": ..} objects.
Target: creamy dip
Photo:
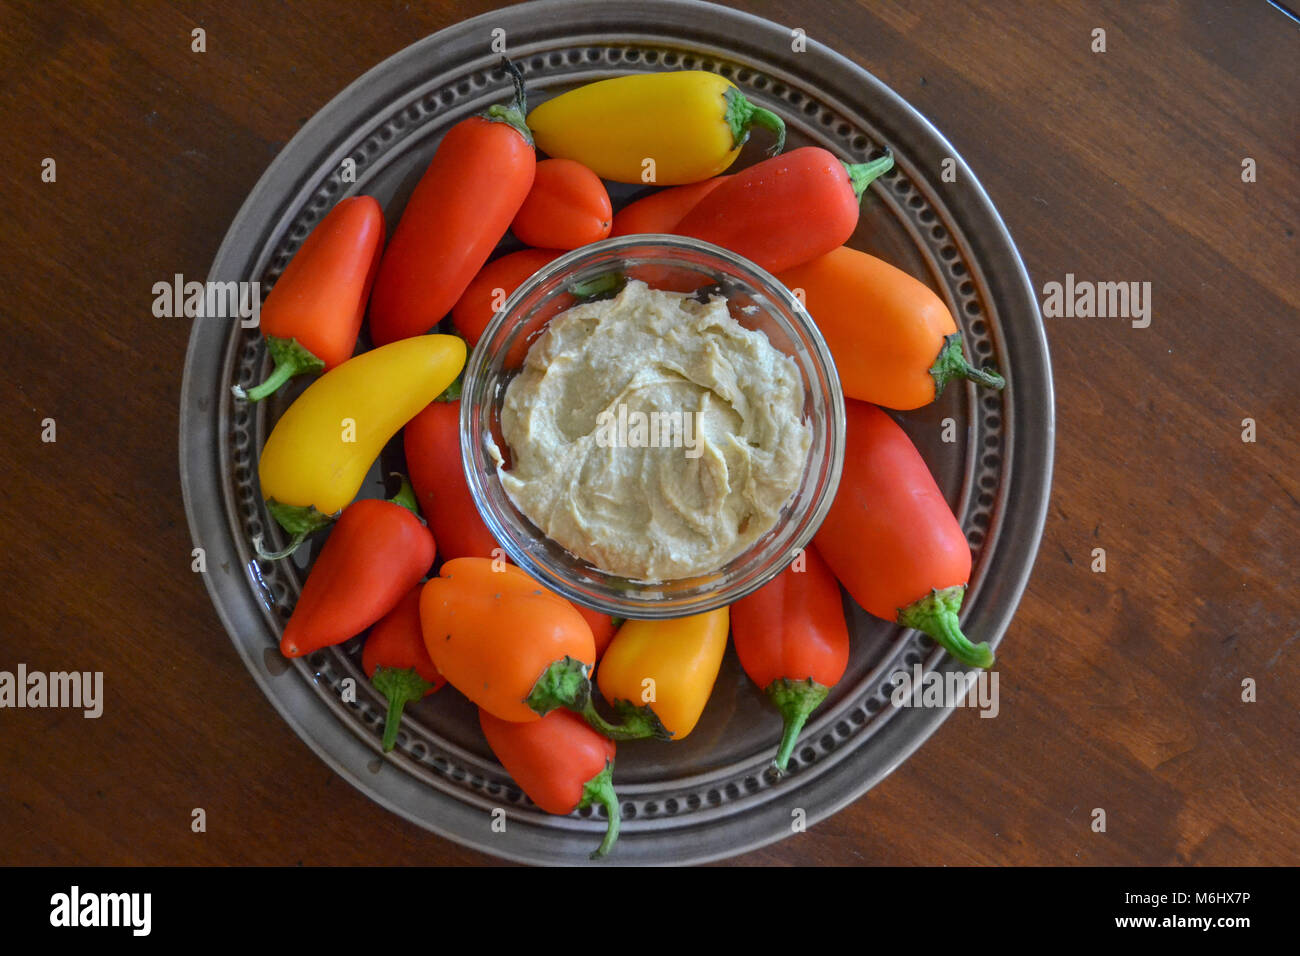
[{"x": 653, "y": 435}]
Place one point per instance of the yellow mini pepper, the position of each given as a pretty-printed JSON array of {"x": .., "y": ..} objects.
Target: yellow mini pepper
[
  {"x": 667, "y": 667},
  {"x": 664, "y": 128},
  {"x": 321, "y": 448}
]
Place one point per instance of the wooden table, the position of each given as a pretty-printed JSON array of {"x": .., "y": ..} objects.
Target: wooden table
[{"x": 1120, "y": 690}]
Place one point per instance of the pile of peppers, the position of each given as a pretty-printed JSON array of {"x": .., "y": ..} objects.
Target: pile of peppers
[{"x": 557, "y": 686}]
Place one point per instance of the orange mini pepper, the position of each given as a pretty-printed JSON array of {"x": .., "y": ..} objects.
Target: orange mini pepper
[
  {"x": 511, "y": 646},
  {"x": 567, "y": 207},
  {"x": 894, "y": 341},
  {"x": 492, "y": 630}
]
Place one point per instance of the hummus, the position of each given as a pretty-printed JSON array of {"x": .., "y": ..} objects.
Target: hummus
[{"x": 653, "y": 435}]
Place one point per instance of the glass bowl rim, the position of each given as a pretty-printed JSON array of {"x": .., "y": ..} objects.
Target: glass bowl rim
[{"x": 813, "y": 512}]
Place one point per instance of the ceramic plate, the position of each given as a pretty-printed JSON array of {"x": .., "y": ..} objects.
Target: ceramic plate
[{"x": 712, "y": 795}]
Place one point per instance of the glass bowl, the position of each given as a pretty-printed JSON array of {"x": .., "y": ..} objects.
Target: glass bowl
[{"x": 757, "y": 301}]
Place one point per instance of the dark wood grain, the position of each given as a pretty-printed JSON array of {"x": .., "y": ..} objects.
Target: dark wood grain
[{"x": 1119, "y": 690}]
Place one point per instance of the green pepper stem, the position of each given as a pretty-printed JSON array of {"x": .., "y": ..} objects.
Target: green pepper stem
[
  {"x": 452, "y": 392},
  {"x": 514, "y": 113},
  {"x": 401, "y": 686},
  {"x": 294, "y": 543},
  {"x": 861, "y": 175},
  {"x": 565, "y": 683},
  {"x": 406, "y": 496},
  {"x": 951, "y": 363},
  {"x": 298, "y": 520},
  {"x": 936, "y": 615},
  {"x": 741, "y": 114},
  {"x": 795, "y": 699},
  {"x": 638, "y": 722},
  {"x": 600, "y": 789},
  {"x": 279, "y": 375},
  {"x": 598, "y": 286},
  {"x": 290, "y": 359}
]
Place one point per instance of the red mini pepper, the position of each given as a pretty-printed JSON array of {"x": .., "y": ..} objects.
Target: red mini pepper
[
  {"x": 786, "y": 210},
  {"x": 432, "y": 444},
  {"x": 397, "y": 663},
  {"x": 313, "y": 313},
  {"x": 459, "y": 211},
  {"x": 492, "y": 286},
  {"x": 891, "y": 538},
  {"x": 560, "y": 762},
  {"x": 663, "y": 209},
  {"x": 377, "y": 551},
  {"x": 793, "y": 642}
]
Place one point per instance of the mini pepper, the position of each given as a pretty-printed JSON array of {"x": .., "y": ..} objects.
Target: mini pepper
[
  {"x": 487, "y": 293},
  {"x": 560, "y": 762},
  {"x": 786, "y": 210},
  {"x": 511, "y": 646},
  {"x": 377, "y": 552},
  {"x": 492, "y": 630},
  {"x": 322, "y": 447},
  {"x": 397, "y": 663},
  {"x": 893, "y": 340},
  {"x": 891, "y": 538},
  {"x": 431, "y": 441},
  {"x": 793, "y": 642},
  {"x": 313, "y": 313},
  {"x": 690, "y": 124},
  {"x": 460, "y": 209},
  {"x": 665, "y": 670}
]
